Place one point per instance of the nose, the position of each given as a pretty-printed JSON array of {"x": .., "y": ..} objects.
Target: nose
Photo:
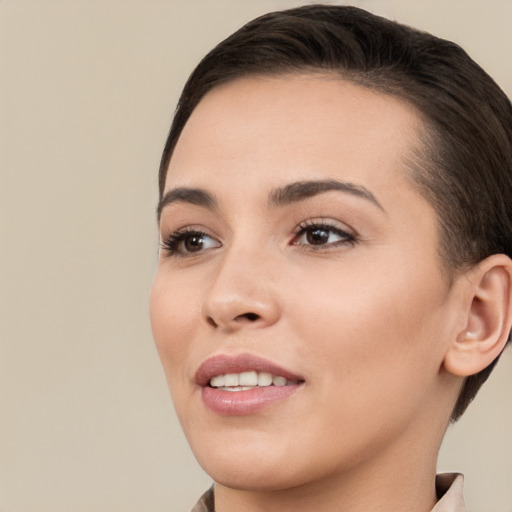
[{"x": 241, "y": 294}]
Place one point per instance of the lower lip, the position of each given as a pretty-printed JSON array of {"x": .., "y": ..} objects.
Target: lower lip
[{"x": 241, "y": 403}]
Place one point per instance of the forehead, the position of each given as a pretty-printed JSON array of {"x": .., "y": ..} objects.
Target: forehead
[{"x": 268, "y": 131}]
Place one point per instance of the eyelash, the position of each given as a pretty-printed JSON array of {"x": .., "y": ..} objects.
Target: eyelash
[
  {"x": 173, "y": 244},
  {"x": 312, "y": 225}
]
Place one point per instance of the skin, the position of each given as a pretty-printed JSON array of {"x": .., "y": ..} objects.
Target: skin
[{"x": 366, "y": 320}]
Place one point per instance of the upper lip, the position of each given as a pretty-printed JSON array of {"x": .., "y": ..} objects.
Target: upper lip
[{"x": 223, "y": 364}]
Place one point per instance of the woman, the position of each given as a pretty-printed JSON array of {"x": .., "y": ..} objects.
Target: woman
[{"x": 333, "y": 284}]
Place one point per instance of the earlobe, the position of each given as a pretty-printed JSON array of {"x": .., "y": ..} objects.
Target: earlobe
[{"x": 488, "y": 317}]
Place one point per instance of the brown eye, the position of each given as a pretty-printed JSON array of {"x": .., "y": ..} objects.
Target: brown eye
[
  {"x": 317, "y": 236},
  {"x": 186, "y": 243},
  {"x": 322, "y": 235},
  {"x": 193, "y": 243}
]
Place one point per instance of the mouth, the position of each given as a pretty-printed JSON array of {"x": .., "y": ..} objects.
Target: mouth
[
  {"x": 244, "y": 381},
  {"x": 244, "y": 384}
]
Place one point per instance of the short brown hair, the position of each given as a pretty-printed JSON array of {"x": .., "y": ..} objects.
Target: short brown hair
[{"x": 465, "y": 166}]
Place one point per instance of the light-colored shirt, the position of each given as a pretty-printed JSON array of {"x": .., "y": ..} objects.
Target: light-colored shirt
[{"x": 449, "y": 488}]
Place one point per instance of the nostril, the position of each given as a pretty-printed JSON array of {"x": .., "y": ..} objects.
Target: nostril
[
  {"x": 211, "y": 321},
  {"x": 252, "y": 317}
]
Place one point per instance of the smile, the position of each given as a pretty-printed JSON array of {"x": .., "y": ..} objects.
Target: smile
[
  {"x": 243, "y": 384},
  {"x": 245, "y": 381}
]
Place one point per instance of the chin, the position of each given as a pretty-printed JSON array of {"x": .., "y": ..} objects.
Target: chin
[
  {"x": 248, "y": 466},
  {"x": 246, "y": 477}
]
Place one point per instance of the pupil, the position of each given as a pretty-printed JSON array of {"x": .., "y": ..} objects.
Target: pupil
[
  {"x": 193, "y": 243},
  {"x": 317, "y": 236}
]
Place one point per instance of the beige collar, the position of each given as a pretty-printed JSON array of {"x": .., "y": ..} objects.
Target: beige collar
[{"x": 450, "y": 488}]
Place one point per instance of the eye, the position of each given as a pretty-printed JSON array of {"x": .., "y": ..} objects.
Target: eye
[
  {"x": 321, "y": 234},
  {"x": 188, "y": 242}
]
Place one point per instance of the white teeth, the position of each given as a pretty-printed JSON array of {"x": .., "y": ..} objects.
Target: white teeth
[
  {"x": 231, "y": 379},
  {"x": 238, "y": 388},
  {"x": 278, "y": 381},
  {"x": 246, "y": 380},
  {"x": 264, "y": 379},
  {"x": 217, "y": 381}
]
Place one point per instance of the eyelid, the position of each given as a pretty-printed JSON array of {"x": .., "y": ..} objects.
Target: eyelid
[
  {"x": 325, "y": 222},
  {"x": 347, "y": 234},
  {"x": 170, "y": 243}
]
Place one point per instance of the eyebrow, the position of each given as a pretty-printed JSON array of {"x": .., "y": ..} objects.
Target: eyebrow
[
  {"x": 196, "y": 196},
  {"x": 282, "y": 196},
  {"x": 305, "y": 189}
]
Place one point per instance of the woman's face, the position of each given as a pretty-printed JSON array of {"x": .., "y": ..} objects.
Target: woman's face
[{"x": 296, "y": 250}]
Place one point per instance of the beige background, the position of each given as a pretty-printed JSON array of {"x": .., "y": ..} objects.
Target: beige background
[{"x": 87, "y": 89}]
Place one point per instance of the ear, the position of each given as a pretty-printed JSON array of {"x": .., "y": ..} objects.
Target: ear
[{"x": 487, "y": 317}]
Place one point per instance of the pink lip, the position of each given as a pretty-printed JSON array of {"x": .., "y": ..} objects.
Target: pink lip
[
  {"x": 222, "y": 364},
  {"x": 240, "y": 403}
]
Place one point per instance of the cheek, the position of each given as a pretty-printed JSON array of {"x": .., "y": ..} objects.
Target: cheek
[
  {"x": 173, "y": 316},
  {"x": 372, "y": 351},
  {"x": 369, "y": 328}
]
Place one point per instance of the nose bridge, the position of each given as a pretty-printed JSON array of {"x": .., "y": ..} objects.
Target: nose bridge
[{"x": 242, "y": 291}]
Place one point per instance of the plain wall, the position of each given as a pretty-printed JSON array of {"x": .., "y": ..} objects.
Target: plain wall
[{"x": 87, "y": 91}]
